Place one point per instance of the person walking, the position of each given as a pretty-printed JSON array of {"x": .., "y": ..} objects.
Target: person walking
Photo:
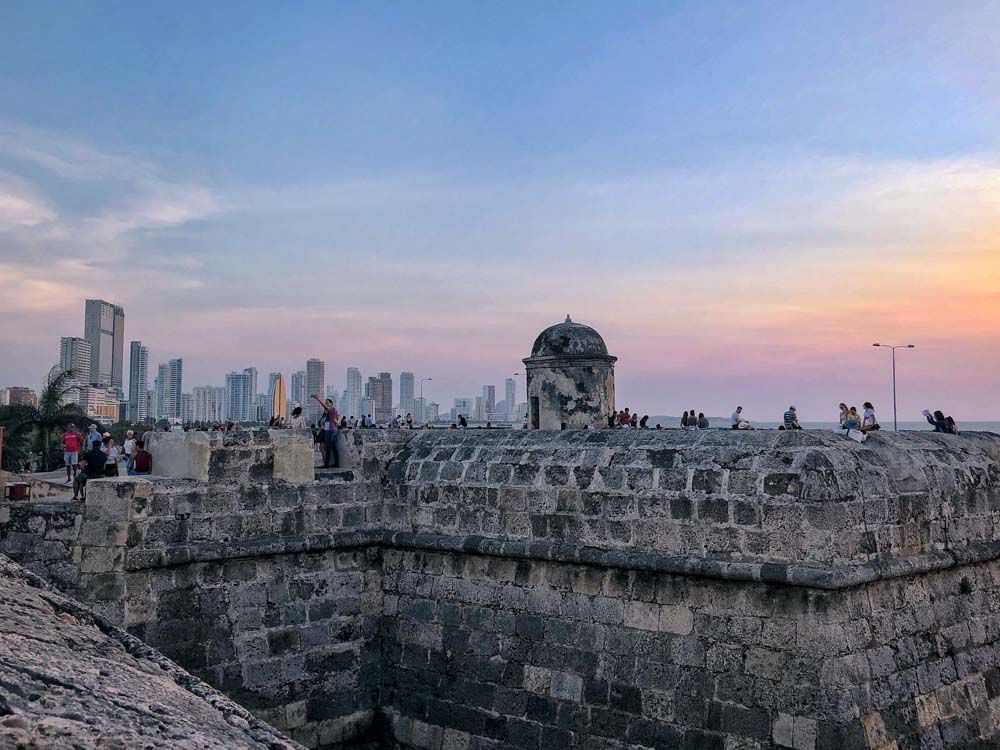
[
  {"x": 330, "y": 421},
  {"x": 72, "y": 444}
]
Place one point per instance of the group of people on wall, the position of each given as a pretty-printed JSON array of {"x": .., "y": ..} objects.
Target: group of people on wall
[{"x": 96, "y": 455}]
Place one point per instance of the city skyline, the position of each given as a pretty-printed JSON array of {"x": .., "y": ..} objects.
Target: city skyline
[
  {"x": 737, "y": 218},
  {"x": 168, "y": 394}
]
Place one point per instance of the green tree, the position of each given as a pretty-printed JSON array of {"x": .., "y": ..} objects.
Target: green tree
[
  {"x": 16, "y": 440},
  {"x": 44, "y": 421}
]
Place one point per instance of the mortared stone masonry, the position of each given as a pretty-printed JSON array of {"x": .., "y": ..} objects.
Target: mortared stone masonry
[{"x": 616, "y": 590}]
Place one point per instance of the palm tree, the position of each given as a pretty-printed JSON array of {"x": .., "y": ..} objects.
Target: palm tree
[{"x": 51, "y": 415}]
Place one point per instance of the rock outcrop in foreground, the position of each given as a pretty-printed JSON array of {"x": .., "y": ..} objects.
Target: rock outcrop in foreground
[{"x": 70, "y": 679}]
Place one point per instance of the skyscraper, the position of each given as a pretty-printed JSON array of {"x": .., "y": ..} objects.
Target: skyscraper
[
  {"x": 463, "y": 407},
  {"x": 297, "y": 392},
  {"x": 383, "y": 407},
  {"x": 241, "y": 389},
  {"x": 104, "y": 328},
  {"x": 315, "y": 385},
  {"x": 208, "y": 403},
  {"x": 138, "y": 368},
  {"x": 510, "y": 397},
  {"x": 353, "y": 392},
  {"x": 489, "y": 401},
  {"x": 274, "y": 382},
  {"x": 161, "y": 386},
  {"x": 378, "y": 393},
  {"x": 74, "y": 356},
  {"x": 175, "y": 389},
  {"x": 187, "y": 407},
  {"x": 406, "y": 392}
]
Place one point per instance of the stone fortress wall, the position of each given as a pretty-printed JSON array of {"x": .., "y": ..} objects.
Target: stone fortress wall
[{"x": 600, "y": 589}]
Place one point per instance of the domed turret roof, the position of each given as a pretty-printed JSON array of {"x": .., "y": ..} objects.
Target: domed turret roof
[{"x": 569, "y": 338}]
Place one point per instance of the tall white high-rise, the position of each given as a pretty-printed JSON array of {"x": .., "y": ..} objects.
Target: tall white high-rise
[
  {"x": 175, "y": 388},
  {"x": 187, "y": 408},
  {"x": 208, "y": 403},
  {"x": 463, "y": 407},
  {"x": 354, "y": 392},
  {"x": 138, "y": 368},
  {"x": 74, "y": 356},
  {"x": 241, "y": 389},
  {"x": 406, "y": 392},
  {"x": 509, "y": 397},
  {"x": 315, "y": 385},
  {"x": 104, "y": 328},
  {"x": 297, "y": 389},
  {"x": 161, "y": 385}
]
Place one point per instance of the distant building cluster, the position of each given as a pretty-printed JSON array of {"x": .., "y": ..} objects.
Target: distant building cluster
[{"x": 96, "y": 383}]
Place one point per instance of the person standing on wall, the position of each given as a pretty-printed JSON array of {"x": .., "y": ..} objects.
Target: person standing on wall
[
  {"x": 72, "y": 444},
  {"x": 329, "y": 422}
]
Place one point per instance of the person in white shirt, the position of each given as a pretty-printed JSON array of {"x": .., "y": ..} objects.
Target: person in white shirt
[
  {"x": 128, "y": 448},
  {"x": 298, "y": 421},
  {"x": 737, "y": 417}
]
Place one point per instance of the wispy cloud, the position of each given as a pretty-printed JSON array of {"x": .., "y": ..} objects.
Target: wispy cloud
[{"x": 20, "y": 205}]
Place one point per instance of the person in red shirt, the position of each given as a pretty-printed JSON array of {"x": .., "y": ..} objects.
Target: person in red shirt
[
  {"x": 72, "y": 443},
  {"x": 142, "y": 461}
]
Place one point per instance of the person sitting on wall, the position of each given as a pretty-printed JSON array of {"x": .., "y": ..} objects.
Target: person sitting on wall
[
  {"x": 791, "y": 420},
  {"x": 643, "y": 421},
  {"x": 702, "y": 421},
  {"x": 937, "y": 421},
  {"x": 737, "y": 418},
  {"x": 869, "y": 423},
  {"x": 94, "y": 461},
  {"x": 142, "y": 461},
  {"x": 852, "y": 420}
]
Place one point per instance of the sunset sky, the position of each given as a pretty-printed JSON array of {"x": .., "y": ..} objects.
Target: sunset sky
[{"x": 741, "y": 197}]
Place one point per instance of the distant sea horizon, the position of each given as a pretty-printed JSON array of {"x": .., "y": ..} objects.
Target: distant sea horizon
[{"x": 977, "y": 426}]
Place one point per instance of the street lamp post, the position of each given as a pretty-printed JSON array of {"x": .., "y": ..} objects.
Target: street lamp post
[{"x": 895, "y": 422}]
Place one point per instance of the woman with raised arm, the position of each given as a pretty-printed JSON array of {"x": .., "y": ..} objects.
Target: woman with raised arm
[{"x": 329, "y": 422}]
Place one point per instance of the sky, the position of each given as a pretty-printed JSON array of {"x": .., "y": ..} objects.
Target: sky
[{"x": 741, "y": 198}]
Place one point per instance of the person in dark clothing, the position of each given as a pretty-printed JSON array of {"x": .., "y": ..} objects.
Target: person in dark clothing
[
  {"x": 329, "y": 422},
  {"x": 94, "y": 461},
  {"x": 142, "y": 461},
  {"x": 937, "y": 421}
]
